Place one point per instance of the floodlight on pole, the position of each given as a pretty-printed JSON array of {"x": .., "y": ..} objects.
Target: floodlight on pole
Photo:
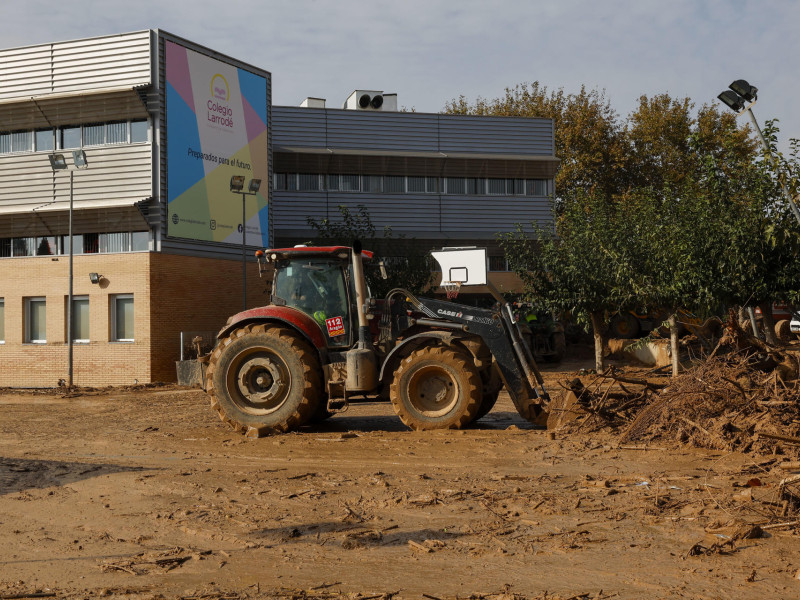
[
  {"x": 745, "y": 90},
  {"x": 59, "y": 163},
  {"x": 733, "y": 100},
  {"x": 237, "y": 183},
  {"x": 237, "y": 187},
  {"x": 741, "y": 92}
]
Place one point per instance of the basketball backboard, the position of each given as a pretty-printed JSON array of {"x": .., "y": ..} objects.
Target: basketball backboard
[{"x": 463, "y": 265}]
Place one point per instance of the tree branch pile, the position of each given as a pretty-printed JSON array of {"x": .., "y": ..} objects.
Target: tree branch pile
[{"x": 744, "y": 397}]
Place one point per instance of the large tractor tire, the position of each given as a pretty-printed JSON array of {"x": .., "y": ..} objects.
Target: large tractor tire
[
  {"x": 436, "y": 388},
  {"x": 264, "y": 376},
  {"x": 624, "y": 326},
  {"x": 782, "y": 330},
  {"x": 492, "y": 385}
]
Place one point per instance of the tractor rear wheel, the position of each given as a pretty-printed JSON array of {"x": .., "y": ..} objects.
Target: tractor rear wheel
[
  {"x": 436, "y": 388},
  {"x": 264, "y": 376}
]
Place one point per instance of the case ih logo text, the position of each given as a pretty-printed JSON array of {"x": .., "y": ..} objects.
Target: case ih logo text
[{"x": 449, "y": 313}]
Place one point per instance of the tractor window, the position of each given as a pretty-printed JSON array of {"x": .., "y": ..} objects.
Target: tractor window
[{"x": 317, "y": 288}]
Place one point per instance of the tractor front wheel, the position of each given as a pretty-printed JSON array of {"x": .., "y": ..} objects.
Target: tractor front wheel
[
  {"x": 436, "y": 388},
  {"x": 264, "y": 376},
  {"x": 492, "y": 386}
]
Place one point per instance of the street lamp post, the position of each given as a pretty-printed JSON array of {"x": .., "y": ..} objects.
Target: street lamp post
[
  {"x": 237, "y": 187},
  {"x": 740, "y": 98},
  {"x": 58, "y": 162}
]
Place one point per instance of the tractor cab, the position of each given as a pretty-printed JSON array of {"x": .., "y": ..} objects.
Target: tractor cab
[{"x": 318, "y": 281}]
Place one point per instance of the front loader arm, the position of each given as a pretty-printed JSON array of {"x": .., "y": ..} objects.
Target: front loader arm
[{"x": 501, "y": 335}]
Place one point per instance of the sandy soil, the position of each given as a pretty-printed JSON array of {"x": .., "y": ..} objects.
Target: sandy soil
[{"x": 144, "y": 494}]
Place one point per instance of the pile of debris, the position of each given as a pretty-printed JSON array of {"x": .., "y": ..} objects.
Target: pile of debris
[
  {"x": 726, "y": 403},
  {"x": 744, "y": 396}
]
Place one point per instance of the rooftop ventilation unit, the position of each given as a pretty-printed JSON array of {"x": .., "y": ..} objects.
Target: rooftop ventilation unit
[
  {"x": 313, "y": 103},
  {"x": 371, "y": 100}
]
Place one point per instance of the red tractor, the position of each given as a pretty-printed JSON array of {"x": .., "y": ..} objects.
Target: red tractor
[{"x": 322, "y": 340}]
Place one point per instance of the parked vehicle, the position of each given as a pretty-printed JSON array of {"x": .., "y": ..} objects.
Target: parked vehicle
[{"x": 322, "y": 340}]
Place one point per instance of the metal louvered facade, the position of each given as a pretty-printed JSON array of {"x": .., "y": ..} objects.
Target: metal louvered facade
[
  {"x": 397, "y": 144},
  {"x": 95, "y": 64},
  {"x": 49, "y": 87}
]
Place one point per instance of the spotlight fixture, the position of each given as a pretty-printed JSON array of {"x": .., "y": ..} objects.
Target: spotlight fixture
[
  {"x": 745, "y": 90},
  {"x": 733, "y": 100},
  {"x": 237, "y": 183},
  {"x": 58, "y": 162}
]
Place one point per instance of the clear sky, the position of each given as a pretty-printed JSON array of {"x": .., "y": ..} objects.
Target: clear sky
[{"x": 431, "y": 51}]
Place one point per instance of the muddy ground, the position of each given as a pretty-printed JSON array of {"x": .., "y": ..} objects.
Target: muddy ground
[{"x": 145, "y": 494}]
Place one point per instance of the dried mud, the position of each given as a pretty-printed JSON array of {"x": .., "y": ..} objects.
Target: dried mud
[{"x": 142, "y": 493}]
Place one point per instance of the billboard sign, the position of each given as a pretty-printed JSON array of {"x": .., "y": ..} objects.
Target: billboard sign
[{"x": 216, "y": 128}]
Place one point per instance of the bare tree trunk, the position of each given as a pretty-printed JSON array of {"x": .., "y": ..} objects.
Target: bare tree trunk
[
  {"x": 673, "y": 343},
  {"x": 769, "y": 323},
  {"x": 597, "y": 329}
]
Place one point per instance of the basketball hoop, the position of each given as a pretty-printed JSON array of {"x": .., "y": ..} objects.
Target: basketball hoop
[{"x": 451, "y": 288}]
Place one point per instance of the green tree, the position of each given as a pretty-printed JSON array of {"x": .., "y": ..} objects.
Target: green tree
[
  {"x": 586, "y": 266},
  {"x": 406, "y": 266}
]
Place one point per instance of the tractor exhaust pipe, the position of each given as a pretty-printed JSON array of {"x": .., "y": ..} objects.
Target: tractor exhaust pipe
[{"x": 362, "y": 365}]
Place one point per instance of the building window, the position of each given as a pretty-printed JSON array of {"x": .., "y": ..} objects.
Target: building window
[
  {"x": 140, "y": 241},
  {"x": 87, "y": 243},
  {"x": 536, "y": 187},
  {"x": 117, "y": 132},
  {"x": 139, "y": 131},
  {"x": 372, "y": 183},
  {"x": 45, "y": 140},
  {"x": 416, "y": 185},
  {"x": 122, "y": 318},
  {"x": 80, "y": 319},
  {"x": 455, "y": 185},
  {"x": 411, "y": 184},
  {"x": 75, "y": 136},
  {"x": 394, "y": 184},
  {"x": 332, "y": 183},
  {"x": 35, "y": 321},
  {"x": 476, "y": 187},
  {"x": 46, "y": 246},
  {"x": 496, "y": 187},
  {"x": 2, "y": 321},
  {"x": 350, "y": 183},
  {"x": 24, "y": 246},
  {"x": 497, "y": 263},
  {"x": 94, "y": 134},
  {"x": 70, "y": 137},
  {"x": 91, "y": 243},
  {"x": 22, "y": 141},
  {"x": 308, "y": 182},
  {"x": 115, "y": 242}
]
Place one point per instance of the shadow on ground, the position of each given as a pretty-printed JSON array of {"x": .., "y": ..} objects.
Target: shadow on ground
[{"x": 18, "y": 474}]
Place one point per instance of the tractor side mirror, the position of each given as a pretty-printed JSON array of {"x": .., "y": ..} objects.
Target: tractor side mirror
[{"x": 261, "y": 265}]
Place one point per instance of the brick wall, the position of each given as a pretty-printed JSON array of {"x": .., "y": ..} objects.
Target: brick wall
[
  {"x": 193, "y": 294},
  {"x": 171, "y": 294},
  {"x": 99, "y": 362}
]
